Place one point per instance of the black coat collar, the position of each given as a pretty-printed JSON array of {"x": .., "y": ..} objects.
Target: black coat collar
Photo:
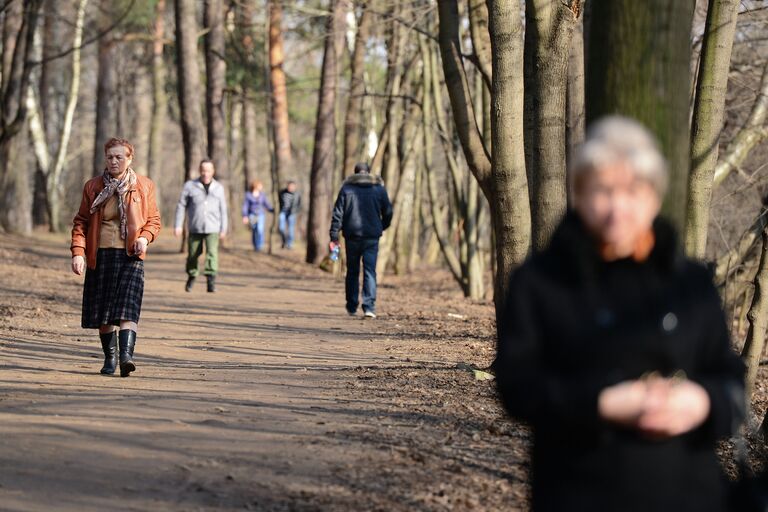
[{"x": 574, "y": 250}]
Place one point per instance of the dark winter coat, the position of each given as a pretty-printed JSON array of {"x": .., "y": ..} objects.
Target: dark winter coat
[
  {"x": 362, "y": 208},
  {"x": 289, "y": 202},
  {"x": 573, "y": 325}
]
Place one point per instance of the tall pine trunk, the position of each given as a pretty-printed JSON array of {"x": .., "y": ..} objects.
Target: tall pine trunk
[
  {"x": 324, "y": 153},
  {"x": 106, "y": 87},
  {"x": 216, "y": 81},
  {"x": 281, "y": 135},
  {"x": 159, "y": 98},
  {"x": 189, "y": 88}
]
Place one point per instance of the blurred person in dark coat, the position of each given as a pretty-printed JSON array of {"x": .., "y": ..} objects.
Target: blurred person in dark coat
[
  {"x": 362, "y": 212},
  {"x": 614, "y": 346}
]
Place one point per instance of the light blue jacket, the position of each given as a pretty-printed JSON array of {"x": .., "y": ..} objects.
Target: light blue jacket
[{"x": 206, "y": 211}]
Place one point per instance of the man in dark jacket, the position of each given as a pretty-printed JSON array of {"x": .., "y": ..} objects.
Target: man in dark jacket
[
  {"x": 362, "y": 212},
  {"x": 290, "y": 205}
]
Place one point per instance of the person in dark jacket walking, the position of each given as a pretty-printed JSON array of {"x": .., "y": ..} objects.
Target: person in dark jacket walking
[
  {"x": 290, "y": 206},
  {"x": 614, "y": 347},
  {"x": 362, "y": 213}
]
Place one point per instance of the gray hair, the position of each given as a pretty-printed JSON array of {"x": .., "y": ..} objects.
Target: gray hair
[{"x": 615, "y": 139}]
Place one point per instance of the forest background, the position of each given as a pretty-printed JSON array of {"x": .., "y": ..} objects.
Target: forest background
[{"x": 470, "y": 110}]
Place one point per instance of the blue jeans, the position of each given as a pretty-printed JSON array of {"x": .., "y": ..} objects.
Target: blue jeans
[
  {"x": 286, "y": 224},
  {"x": 257, "y": 230},
  {"x": 366, "y": 249}
]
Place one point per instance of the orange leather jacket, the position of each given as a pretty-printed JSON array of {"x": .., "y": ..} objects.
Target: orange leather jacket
[{"x": 142, "y": 218}]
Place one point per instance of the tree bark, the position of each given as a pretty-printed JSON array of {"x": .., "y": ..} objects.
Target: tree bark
[
  {"x": 189, "y": 89},
  {"x": 639, "y": 65},
  {"x": 159, "y": 98},
  {"x": 707, "y": 122},
  {"x": 282, "y": 139},
  {"x": 549, "y": 32},
  {"x": 216, "y": 81},
  {"x": 478, "y": 157},
  {"x": 53, "y": 168},
  {"x": 509, "y": 203},
  {"x": 574, "y": 121},
  {"x": 19, "y": 27},
  {"x": 324, "y": 153},
  {"x": 106, "y": 90},
  {"x": 758, "y": 320},
  {"x": 353, "y": 125}
]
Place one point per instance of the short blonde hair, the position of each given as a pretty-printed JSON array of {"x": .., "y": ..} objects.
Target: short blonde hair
[{"x": 615, "y": 139}]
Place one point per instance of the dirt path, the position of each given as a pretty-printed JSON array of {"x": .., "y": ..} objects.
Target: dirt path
[{"x": 263, "y": 396}]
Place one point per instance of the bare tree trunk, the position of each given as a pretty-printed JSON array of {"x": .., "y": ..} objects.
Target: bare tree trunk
[
  {"x": 549, "y": 32},
  {"x": 431, "y": 88},
  {"x": 758, "y": 320},
  {"x": 749, "y": 136},
  {"x": 639, "y": 65},
  {"x": 106, "y": 91},
  {"x": 708, "y": 115},
  {"x": 353, "y": 126},
  {"x": 216, "y": 81},
  {"x": 282, "y": 138},
  {"x": 19, "y": 27},
  {"x": 509, "y": 204},
  {"x": 53, "y": 168},
  {"x": 574, "y": 121},
  {"x": 159, "y": 98},
  {"x": 324, "y": 153},
  {"x": 189, "y": 86}
]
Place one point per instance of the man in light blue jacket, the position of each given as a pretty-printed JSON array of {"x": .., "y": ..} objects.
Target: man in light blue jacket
[{"x": 205, "y": 204}]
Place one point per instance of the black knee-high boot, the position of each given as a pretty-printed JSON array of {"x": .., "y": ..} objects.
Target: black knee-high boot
[
  {"x": 127, "y": 340},
  {"x": 109, "y": 346}
]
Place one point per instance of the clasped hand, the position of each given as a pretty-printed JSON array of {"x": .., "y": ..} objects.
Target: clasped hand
[{"x": 658, "y": 407}]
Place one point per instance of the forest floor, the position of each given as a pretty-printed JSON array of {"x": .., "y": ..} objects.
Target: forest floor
[{"x": 262, "y": 396}]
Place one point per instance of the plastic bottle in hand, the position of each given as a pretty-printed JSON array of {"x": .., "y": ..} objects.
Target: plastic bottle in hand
[{"x": 335, "y": 253}]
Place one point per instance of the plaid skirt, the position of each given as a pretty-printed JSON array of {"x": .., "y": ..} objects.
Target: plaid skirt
[{"x": 113, "y": 290}]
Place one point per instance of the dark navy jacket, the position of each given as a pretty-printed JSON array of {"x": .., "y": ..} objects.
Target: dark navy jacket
[{"x": 362, "y": 209}]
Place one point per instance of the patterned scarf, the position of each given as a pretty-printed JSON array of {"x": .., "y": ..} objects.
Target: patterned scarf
[{"x": 112, "y": 186}]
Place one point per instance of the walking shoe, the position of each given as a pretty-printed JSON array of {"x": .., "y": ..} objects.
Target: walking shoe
[
  {"x": 109, "y": 346},
  {"x": 190, "y": 282},
  {"x": 352, "y": 313},
  {"x": 127, "y": 341},
  {"x": 369, "y": 314},
  {"x": 211, "y": 283}
]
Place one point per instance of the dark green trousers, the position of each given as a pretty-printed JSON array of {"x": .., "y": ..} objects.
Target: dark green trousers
[{"x": 195, "y": 250}]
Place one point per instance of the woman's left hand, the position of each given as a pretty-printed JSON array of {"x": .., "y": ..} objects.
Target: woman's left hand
[
  {"x": 684, "y": 405},
  {"x": 140, "y": 245}
]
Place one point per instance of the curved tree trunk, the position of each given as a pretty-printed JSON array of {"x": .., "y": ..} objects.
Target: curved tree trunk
[
  {"x": 639, "y": 65},
  {"x": 324, "y": 153},
  {"x": 18, "y": 32},
  {"x": 188, "y": 81},
  {"x": 749, "y": 136},
  {"x": 707, "y": 122},
  {"x": 758, "y": 320}
]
